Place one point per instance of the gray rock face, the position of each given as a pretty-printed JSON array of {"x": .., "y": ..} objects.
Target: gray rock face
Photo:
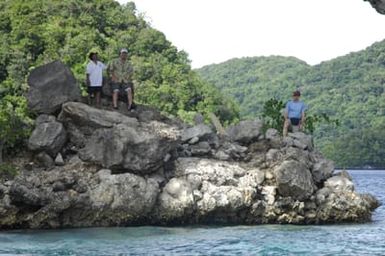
[
  {"x": 50, "y": 86},
  {"x": 300, "y": 140},
  {"x": 294, "y": 180},
  {"x": 116, "y": 141},
  {"x": 177, "y": 200},
  {"x": 340, "y": 183},
  {"x": 379, "y": 5},
  {"x": 127, "y": 197},
  {"x": 127, "y": 148},
  {"x": 47, "y": 136},
  {"x": 322, "y": 169},
  {"x": 44, "y": 160},
  {"x": 199, "y": 131},
  {"x": 246, "y": 131},
  {"x": 209, "y": 186},
  {"x": 88, "y": 118},
  {"x": 59, "y": 160},
  {"x": 69, "y": 198}
]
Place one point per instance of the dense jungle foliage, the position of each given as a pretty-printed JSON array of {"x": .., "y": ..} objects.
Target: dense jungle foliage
[
  {"x": 350, "y": 89},
  {"x": 36, "y": 32}
]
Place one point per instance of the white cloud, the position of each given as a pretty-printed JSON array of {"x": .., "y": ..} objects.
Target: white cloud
[{"x": 213, "y": 31}]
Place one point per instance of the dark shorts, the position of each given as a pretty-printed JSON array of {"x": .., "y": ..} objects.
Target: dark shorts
[
  {"x": 295, "y": 121},
  {"x": 121, "y": 87},
  {"x": 93, "y": 89}
]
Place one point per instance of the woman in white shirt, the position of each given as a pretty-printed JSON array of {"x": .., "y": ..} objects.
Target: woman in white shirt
[{"x": 94, "y": 76}]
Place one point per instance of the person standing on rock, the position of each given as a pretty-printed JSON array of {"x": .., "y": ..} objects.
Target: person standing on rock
[
  {"x": 94, "y": 77},
  {"x": 120, "y": 72},
  {"x": 294, "y": 114}
]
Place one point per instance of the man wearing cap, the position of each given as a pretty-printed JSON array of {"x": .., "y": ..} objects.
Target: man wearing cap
[
  {"x": 120, "y": 72},
  {"x": 94, "y": 77},
  {"x": 294, "y": 114}
]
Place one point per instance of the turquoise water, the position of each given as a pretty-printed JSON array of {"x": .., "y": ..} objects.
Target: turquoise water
[{"x": 357, "y": 239}]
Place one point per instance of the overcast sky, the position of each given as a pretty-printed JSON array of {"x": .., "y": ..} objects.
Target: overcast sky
[{"x": 213, "y": 31}]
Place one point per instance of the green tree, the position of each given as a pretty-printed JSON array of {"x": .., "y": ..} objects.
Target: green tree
[
  {"x": 350, "y": 89},
  {"x": 37, "y": 32}
]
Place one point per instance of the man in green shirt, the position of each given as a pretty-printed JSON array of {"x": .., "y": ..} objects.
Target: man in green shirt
[{"x": 120, "y": 72}]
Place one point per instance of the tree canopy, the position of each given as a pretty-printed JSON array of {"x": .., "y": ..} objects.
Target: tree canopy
[
  {"x": 36, "y": 32},
  {"x": 350, "y": 89}
]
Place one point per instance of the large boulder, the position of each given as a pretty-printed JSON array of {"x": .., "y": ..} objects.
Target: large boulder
[
  {"x": 322, "y": 168},
  {"x": 116, "y": 141},
  {"x": 87, "y": 118},
  {"x": 246, "y": 131},
  {"x": 50, "y": 86},
  {"x": 217, "y": 191},
  {"x": 299, "y": 140},
  {"x": 123, "y": 198},
  {"x": 294, "y": 179},
  {"x": 177, "y": 200},
  {"x": 340, "y": 183},
  {"x": 48, "y": 136},
  {"x": 125, "y": 148},
  {"x": 199, "y": 131}
]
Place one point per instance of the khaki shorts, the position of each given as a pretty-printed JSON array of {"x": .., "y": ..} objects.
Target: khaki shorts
[{"x": 121, "y": 87}]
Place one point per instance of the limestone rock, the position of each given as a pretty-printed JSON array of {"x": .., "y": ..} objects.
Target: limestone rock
[
  {"x": 88, "y": 118},
  {"x": 273, "y": 136},
  {"x": 339, "y": 183},
  {"x": 44, "y": 118},
  {"x": 126, "y": 148},
  {"x": 199, "y": 131},
  {"x": 301, "y": 140},
  {"x": 245, "y": 132},
  {"x": 50, "y": 86},
  {"x": 59, "y": 161},
  {"x": 322, "y": 169},
  {"x": 127, "y": 197},
  {"x": 345, "y": 206},
  {"x": 42, "y": 159},
  {"x": 47, "y": 136},
  {"x": 294, "y": 180},
  {"x": 176, "y": 200}
]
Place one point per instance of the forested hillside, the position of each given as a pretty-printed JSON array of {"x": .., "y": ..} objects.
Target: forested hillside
[
  {"x": 350, "y": 88},
  {"x": 36, "y": 32}
]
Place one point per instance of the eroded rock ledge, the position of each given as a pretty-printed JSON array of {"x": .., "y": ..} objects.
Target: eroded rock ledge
[{"x": 95, "y": 167}]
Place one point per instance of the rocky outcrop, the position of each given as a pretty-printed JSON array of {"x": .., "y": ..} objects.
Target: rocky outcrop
[
  {"x": 50, "y": 86},
  {"x": 379, "y": 5},
  {"x": 246, "y": 132},
  {"x": 48, "y": 136},
  {"x": 115, "y": 141},
  {"x": 95, "y": 167}
]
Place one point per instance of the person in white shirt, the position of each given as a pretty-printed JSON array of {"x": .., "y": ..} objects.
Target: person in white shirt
[{"x": 94, "y": 76}]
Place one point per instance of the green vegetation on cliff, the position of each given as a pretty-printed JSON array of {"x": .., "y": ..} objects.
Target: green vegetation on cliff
[
  {"x": 350, "y": 89},
  {"x": 36, "y": 32}
]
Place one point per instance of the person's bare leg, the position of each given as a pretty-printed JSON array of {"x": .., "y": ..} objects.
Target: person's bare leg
[
  {"x": 97, "y": 96},
  {"x": 129, "y": 98},
  {"x": 115, "y": 96},
  {"x": 285, "y": 128},
  {"x": 132, "y": 93}
]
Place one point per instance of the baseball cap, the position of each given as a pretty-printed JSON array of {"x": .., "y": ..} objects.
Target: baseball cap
[{"x": 123, "y": 50}]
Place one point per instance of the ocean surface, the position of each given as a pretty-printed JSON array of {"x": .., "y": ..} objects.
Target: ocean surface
[{"x": 357, "y": 239}]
